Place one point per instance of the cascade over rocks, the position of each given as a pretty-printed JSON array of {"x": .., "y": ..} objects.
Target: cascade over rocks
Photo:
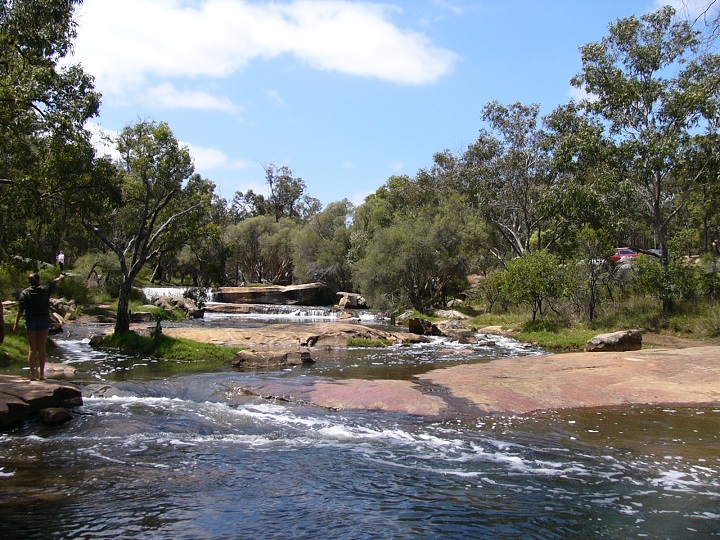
[{"x": 309, "y": 294}]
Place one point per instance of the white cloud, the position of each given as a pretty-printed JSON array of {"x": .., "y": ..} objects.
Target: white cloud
[
  {"x": 103, "y": 140},
  {"x": 275, "y": 97},
  {"x": 359, "y": 197},
  {"x": 452, "y": 8},
  {"x": 580, "y": 94},
  {"x": 167, "y": 96},
  {"x": 127, "y": 43},
  {"x": 212, "y": 158}
]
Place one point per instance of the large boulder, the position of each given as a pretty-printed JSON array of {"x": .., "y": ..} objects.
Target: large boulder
[
  {"x": 423, "y": 327},
  {"x": 350, "y": 300},
  {"x": 272, "y": 358},
  {"x": 309, "y": 294},
  {"x": 170, "y": 303},
  {"x": 20, "y": 398},
  {"x": 625, "y": 340}
]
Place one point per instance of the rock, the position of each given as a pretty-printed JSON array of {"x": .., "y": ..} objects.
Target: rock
[
  {"x": 495, "y": 330},
  {"x": 309, "y": 294},
  {"x": 53, "y": 416},
  {"x": 461, "y": 335},
  {"x": 423, "y": 327},
  {"x": 21, "y": 398},
  {"x": 326, "y": 335},
  {"x": 141, "y": 317},
  {"x": 171, "y": 303},
  {"x": 400, "y": 319},
  {"x": 56, "y": 324},
  {"x": 450, "y": 314},
  {"x": 573, "y": 380},
  {"x": 407, "y": 338},
  {"x": 272, "y": 358},
  {"x": 485, "y": 341},
  {"x": 453, "y": 324},
  {"x": 350, "y": 300},
  {"x": 626, "y": 340},
  {"x": 59, "y": 370}
]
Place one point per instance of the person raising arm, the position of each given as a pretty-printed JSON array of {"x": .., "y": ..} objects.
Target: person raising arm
[{"x": 34, "y": 303}]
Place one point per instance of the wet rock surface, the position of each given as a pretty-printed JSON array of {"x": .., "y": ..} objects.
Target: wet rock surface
[
  {"x": 21, "y": 398},
  {"x": 575, "y": 380},
  {"x": 323, "y": 335}
]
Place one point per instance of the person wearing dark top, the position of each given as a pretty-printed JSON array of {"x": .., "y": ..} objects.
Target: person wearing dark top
[
  {"x": 2, "y": 323},
  {"x": 34, "y": 303}
]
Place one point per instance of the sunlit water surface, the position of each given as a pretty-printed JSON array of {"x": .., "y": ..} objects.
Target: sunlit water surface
[{"x": 194, "y": 457}]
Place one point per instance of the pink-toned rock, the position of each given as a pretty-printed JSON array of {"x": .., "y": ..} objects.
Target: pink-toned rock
[
  {"x": 393, "y": 396},
  {"x": 521, "y": 385},
  {"x": 272, "y": 358}
]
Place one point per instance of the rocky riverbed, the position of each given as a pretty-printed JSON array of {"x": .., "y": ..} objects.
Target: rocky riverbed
[
  {"x": 507, "y": 385},
  {"x": 688, "y": 375}
]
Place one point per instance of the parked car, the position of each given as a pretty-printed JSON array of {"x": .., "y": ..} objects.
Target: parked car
[{"x": 623, "y": 253}]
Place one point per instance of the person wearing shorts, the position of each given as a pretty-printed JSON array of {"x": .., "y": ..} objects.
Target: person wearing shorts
[{"x": 34, "y": 304}]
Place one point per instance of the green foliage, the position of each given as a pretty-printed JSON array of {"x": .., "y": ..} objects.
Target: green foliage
[
  {"x": 536, "y": 280},
  {"x": 73, "y": 288},
  {"x": 556, "y": 338},
  {"x": 423, "y": 260},
  {"x": 44, "y": 104},
  {"x": 321, "y": 248},
  {"x": 198, "y": 296},
  {"x": 260, "y": 250},
  {"x": 169, "y": 348},
  {"x": 491, "y": 290}
]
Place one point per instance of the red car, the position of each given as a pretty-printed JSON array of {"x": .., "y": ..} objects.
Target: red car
[{"x": 623, "y": 253}]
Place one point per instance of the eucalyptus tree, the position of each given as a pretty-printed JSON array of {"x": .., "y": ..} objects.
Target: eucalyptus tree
[
  {"x": 508, "y": 170},
  {"x": 260, "y": 250},
  {"x": 418, "y": 259},
  {"x": 656, "y": 98},
  {"x": 196, "y": 237},
  {"x": 146, "y": 198},
  {"x": 322, "y": 247},
  {"x": 45, "y": 154}
]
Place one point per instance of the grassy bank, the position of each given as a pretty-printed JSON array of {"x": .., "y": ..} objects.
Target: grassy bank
[{"x": 168, "y": 348}]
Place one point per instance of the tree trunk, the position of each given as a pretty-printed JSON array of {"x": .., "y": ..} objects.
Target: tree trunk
[{"x": 122, "y": 321}]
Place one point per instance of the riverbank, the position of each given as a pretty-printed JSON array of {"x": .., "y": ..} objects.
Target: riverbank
[
  {"x": 528, "y": 384},
  {"x": 682, "y": 375}
]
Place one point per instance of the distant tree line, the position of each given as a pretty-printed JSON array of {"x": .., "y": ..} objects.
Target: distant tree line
[{"x": 533, "y": 207}]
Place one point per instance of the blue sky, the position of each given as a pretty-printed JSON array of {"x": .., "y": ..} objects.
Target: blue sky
[{"x": 345, "y": 93}]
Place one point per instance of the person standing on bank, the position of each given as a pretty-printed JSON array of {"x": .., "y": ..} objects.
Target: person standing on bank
[
  {"x": 34, "y": 303},
  {"x": 61, "y": 261}
]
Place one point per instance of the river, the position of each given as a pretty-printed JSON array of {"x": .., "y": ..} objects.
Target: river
[{"x": 194, "y": 457}]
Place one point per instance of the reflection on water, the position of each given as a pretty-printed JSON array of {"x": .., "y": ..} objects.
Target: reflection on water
[{"x": 194, "y": 457}]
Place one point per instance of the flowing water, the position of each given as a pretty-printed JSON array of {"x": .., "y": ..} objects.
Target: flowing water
[{"x": 193, "y": 456}]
